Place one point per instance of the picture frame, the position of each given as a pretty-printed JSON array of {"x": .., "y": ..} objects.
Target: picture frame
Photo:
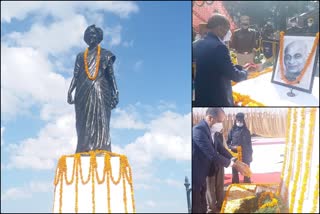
[{"x": 298, "y": 47}]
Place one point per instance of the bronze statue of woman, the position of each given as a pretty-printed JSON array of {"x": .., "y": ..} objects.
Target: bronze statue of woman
[{"x": 96, "y": 93}]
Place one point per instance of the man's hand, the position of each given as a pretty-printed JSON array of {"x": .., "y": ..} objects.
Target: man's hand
[
  {"x": 242, "y": 168},
  {"x": 70, "y": 100}
]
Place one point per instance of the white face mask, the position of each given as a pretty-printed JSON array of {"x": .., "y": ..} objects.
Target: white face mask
[
  {"x": 239, "y": 124},
  {"x": 227, "y": 37},
  {"x": 309, "y": 24},
  {"x": 217, "y": 127}
]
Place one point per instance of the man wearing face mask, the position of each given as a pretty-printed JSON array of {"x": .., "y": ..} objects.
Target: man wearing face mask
[
  {"x": 240, "y": 135},
  {"x": 205, "y": 156},
  {"x": 214, "y": 66},
  {"x": 244, "y": 41}
]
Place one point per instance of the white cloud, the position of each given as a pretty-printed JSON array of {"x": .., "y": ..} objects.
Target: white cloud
[
  {"x": 122, "y": 119},
  {"x": 20, "y": 9},
  {"x": 114, "y": 33},
  {"x": 26, "y": 191},
  {"x": 31, "y": 81},
  {"x": 55, "y": 139},
  {"x": 2, "y": 131},
  {"x": 137, "y": 65},
  {"x": 15, "y": 193},
  {"x": 168, "y": 137},
  {"x": 55, "y": 38}
]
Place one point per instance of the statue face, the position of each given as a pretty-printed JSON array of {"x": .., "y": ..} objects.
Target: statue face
[
  {"x": 92, "y": 37},
  {"x": 294, "y": 57}
]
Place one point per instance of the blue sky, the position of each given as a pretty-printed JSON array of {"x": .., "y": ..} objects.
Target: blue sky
[{"x": 39, "y": 42}]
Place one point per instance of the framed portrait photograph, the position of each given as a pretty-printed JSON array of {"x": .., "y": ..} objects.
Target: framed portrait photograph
[{"x": 296, "y": 62}]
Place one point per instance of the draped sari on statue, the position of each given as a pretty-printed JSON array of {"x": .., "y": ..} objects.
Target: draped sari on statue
[{"x": 93, "y": 101}]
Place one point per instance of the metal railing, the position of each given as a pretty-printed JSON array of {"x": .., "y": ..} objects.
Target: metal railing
[{"x": 188, "y": 190}]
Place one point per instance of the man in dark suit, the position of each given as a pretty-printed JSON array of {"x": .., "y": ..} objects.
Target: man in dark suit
[
  {"x": 204, "y": 155},
  {"x": 214, "y": 67}
]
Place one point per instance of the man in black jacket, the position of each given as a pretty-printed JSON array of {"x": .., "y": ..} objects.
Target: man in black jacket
[
  {"x": 214, "y": 69},
  {"x": 204, "y": 155},
  {"x": 240, "y": 135}
]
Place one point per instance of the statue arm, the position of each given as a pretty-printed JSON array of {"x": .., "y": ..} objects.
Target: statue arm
[
  {"x": 73, "y": 81},
  {"x": 115, "y": 92}
]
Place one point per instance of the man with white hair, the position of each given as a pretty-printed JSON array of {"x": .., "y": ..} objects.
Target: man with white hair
[{"x": 295, "y": 55}]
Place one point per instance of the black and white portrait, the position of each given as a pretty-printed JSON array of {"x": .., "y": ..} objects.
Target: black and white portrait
[{"x": 296, "y": 50}]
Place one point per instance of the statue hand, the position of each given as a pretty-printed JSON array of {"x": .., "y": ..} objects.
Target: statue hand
[
  {"x": 115, "y": 100},
  {"x": 70, "y": 100}
]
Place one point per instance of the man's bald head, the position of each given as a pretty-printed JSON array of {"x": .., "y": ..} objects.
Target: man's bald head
[{"x": 295, "y": 55}]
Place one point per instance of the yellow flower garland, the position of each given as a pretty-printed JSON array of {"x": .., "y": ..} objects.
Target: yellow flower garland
[
  {"x": 286, "y": 149},
  {"x": 124, "y": 172},
  {"x": 308, "y": 159},
  {"x": 76, "y": 157},
  {"x": 316, "y": 193},
  {"x": 263, "y": 196},
  {"x": 298, "y": 161},
  {"x": 237, "y": 154},
  {"x": 294, "y": 127},
  {"x": 85, "y": 56},
  {"x": 94, "y": 166},
  {"x": 245, "y": 100},
  {"x": 274, "y": 202}
]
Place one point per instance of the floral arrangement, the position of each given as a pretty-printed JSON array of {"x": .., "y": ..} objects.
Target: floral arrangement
[
  {"x": 262, "y": 202},
  {"x": 125, "y": 174}
]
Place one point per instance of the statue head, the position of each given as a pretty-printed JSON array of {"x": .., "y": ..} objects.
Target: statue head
[
  {"x": 93, "y": 35},
  {"x": 295, "y": 55}
]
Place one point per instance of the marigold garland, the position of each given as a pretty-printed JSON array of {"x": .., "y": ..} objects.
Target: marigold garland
[
  {"x": 85, "y": 56},
  {"x": 306, "y": 66},
  {"x": 263, "y": 197},
  {"x": 77, "y": 157},
  {"x": 244, "y": 100},
  {"x": 292, "y": 147},
  {"x": 316, "y": 193},
  {"x": 273, "y": 203},
  {"x": 308, "y": 159},
  {"x": 298, "y": 161},
  {"x": 237, "y": 154},
  {"x": 124, "y": 173},
  {"x": 94, "y": 166},
  {"x": 286, "y": 149}
]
